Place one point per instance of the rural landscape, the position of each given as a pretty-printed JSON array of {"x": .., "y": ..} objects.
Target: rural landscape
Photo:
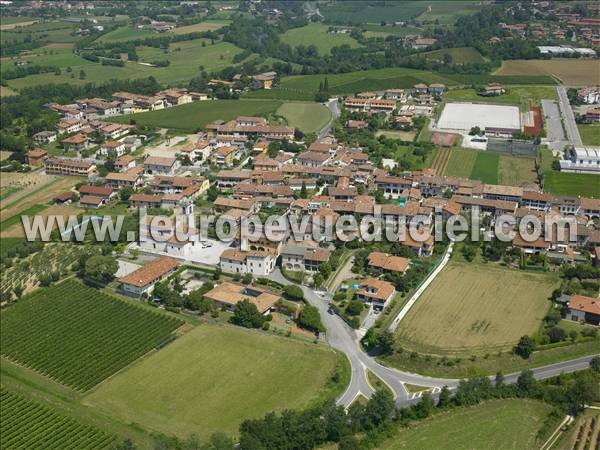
[{"x": 273, "y": 224}]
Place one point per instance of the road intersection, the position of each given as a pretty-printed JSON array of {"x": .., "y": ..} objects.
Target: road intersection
[{"x": 344, "y": 339}]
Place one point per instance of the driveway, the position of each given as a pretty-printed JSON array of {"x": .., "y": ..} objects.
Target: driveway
[{"x": 568, "y": 116}]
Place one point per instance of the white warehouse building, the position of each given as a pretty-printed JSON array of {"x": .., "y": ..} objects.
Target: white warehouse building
[{"x": 581, "y": 159}]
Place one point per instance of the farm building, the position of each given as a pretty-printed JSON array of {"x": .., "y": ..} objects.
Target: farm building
[
  {"x": 142, "y": 280},
  {"x": 464, "y": 116}
]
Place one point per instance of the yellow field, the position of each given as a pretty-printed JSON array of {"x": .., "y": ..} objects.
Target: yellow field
[
  {"x": 476, "y": 308},
  {"x": 572, "y": 72},
  {"x": 396, "y": 134}
]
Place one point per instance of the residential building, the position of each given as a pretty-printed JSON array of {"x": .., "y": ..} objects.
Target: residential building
[
  {"x": 44, "y": 137},
  {"x": 36, "y": 157},
  {"x": 131, "y": 177},
  {"x": 224, "y": 156},
  {"x": 589, "y": 95},
  {"x": 142, "y": 280},
  {"x": 161, "y": 165},
  {"x": 77, "y": 142},
  {"x": 124, "y": 163},
  {"x": 227, "y": 295},
  {"x": 303, "y": 258},
  {"x": 375, "y": 292},
  {"x": 384, "y": 262},
  {"x": 584, "y": 309},
  {"x": 115, "y": 148},
  {"x": 69, "y": 166},
  {"x": 255, "y": 262}
]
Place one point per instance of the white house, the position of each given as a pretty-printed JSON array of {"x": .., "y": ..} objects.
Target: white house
[
  {"x": 581, "y": 159},
  {"x": 163, "y": 165},
  {"x": 256, "y": 262},
  {"x": 142, "y": 280}
]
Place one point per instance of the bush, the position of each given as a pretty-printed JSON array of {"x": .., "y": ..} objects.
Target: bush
[
  {"x": 310, "y": 319},
  {"x": 293, "y": 292},
  {"x": 354, "y": 308}
]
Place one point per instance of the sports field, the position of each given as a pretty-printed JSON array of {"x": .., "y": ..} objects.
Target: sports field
[
  {"x": 572, "y": 72},
  {"x": 493, "y": 168},
  {"x": 496, "y": 424},
  {"x": 195, "y": 116},
  {"x": 77, "y": 335},
  {"x": 476, "y": 308},
  {"x": 213, "y": 378},
  {"x": 590, "y": 133},
  {"x": 308, "y": 117},
  {"x": 317, "y": 35},
  {"x": 460, "y": 55}
]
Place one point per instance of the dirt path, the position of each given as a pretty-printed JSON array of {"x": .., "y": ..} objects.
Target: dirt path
[{"x": 344, "y": 273}]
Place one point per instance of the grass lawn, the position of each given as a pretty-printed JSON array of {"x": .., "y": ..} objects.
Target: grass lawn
[
  {"x": 446, "y": 12},
  {"x": 572, "y": 72},
  {"x": 209, "y": 25},
  {"x": 126, "y": 33},
  {"x": 496, "y": 424},
  {"x": 475, "y": 308},
  {"x": 564, "y": 183},
  {"x": 516, "y": 170},
  {"x": 515, "y": 95},
  {"x": 590, "y": 133},
  {"x": 486, "y": 167},
  {"x": 366, "y": 11},
  {"x": 460, "y": 55},
  {"x": 316, "y": 34},
  {"x": 214, "y": 377},
  {"x": 309, "y": 117},
  {"x": 195, "y": 116}
]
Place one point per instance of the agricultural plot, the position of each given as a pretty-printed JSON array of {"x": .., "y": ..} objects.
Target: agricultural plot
[
  {"x": 382, "y": 31},
  {"x": 305, "y": 86},
  {"x": 498, "y": 424},
  {"x": 29, "y": 424},
  {"x": 317, "y": 35},
  {"x": 209, "y": 25},
  {"x": 45, "y": 32},
  {"x": 459, "y": 55},
  {"x": 572, "y": 72},
  {"x": 366, "y": 11},
  {"x": 476, "y": 308},
  {"x": 195, "y": 116},
  {"x": 78, "y": 335},
  {"x": 308, "y": 117},
  {"x": 214, "y": 377},
  {"x": 126, "y": 33},
  {"x": 585, "y": 435},
  {"x": 590, "y": 133},
  {"x": 493, "y": 168},
  {"x": 446, "y": 12}
]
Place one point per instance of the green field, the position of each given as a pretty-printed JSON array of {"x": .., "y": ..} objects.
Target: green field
[
  {"x": 317, "y": 35},
  {"x": 378, "y": 30},
  {"x": 309, "y": 117},
  {"x": 29, "y": 424},
  {"x": 184, "y": 58},
  {"x": 446, "y": 12},
  {"x": 493, "y": 168},
  {"x": 214, "y": 377},
  {"x": 9, "y": 222},
  {"x": 195, "y": 116},
  {"x": 304, "y": 87},
  {"x": 486, "y": 167},
  {"x": 126, "y": 33},
  {"x": 359, "y": 12},
  {"x": 475, "y": 308},
  {"x": 515, "y": 95},
  {"x": 53, "y": 32},
  {"x": 564, "y": 183},
  {"x": 77, "y": 335},
  {"x": 590, "y": 133},
  {"x": 460, "y": 55},
  {"x": 497, "y": 424}
]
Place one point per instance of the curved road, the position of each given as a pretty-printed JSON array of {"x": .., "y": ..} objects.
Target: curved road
[{"x": 343, "y": 338}]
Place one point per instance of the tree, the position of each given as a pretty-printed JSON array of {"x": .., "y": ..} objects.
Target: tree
[
  {"x": 354, "y": 307},
  {"x": 246, "y": 314},
  {"x": 526, "y": 382},
  {"x": 318, "y": 280},
  {"x": 595, "y": 364},
  {"x": 379, "y": 409},
  {"x": 444, "y": 398},
  {"x": 349, "y": 442},
  {"x": 303, "y": 192},
  {"x": 293, "y": 292},
  {"x": 425, "y": 407},
  {"x": 125, "y": 193},
  {"x": 247, "y": 279},
  {"x": 101, "y": 268},
  {"x": 385, "y": 342},
  {"x": 82, "y": 74},
  {"x": 475, "y": 131},
  {"x": 525, "y": 347},
  {"x": 499, "y": 380},
  {"x": 556, "y": 334},
  {"x": 310, "y": 319}
]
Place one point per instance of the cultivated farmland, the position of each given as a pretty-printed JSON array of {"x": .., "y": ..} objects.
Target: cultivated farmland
[
  {"x": 194, "y": 116},
  {"x": 317, "y": 35},
  {"x": 214, "y": 377},
  {"x": 29, "y": 424},
  {"x": 572, "y": 72},
  {"x": 490, "y": 167},
  {"x": 78, "y": 335},
  {"x": 497, "y": 424},
  {"x": 476, "y": 308},
  {"x": 460, "y": 55}
]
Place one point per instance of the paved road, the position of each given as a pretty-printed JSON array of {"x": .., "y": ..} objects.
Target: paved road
[
  {"x": 568, "y": 116},
  {"x": 343, "y": 338},
  {"x": 333, "y": 106}
]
